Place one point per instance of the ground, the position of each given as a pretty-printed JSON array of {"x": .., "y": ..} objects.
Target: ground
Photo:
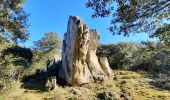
[{"x": 127, "y": 85}]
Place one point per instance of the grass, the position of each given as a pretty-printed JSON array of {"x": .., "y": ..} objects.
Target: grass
[
  {"x": 139, "y": 87},
  {"x": 136, "y": 85}
]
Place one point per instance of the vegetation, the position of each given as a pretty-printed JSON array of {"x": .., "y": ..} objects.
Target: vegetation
[
  {"x": 141, "y": 70},
  {"x": 132, "y": 16},
  {"x": 48, "y": 45},
  {"x": 147, "y": 56},
  {"x": 127, "y": 84},
  {"x": 120, "y": 55},
  {"x": 13, "y": 29},
  {"x": 14, "y": 60},
  {"x": 163, "y": 34},
  {"x": 17, "y": 62},
  {"x": 13, "y": 20}
]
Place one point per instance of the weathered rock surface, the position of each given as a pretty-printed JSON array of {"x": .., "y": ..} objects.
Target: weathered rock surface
[
  {"x": 105, "y": 66},
  {"x": 108, "y": 96},
  {"x": 79, "y": 61},
  {"x": 77, "y": 90}
]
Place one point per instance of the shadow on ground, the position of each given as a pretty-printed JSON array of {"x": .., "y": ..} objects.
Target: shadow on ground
[
  {"x": 38, "y": 80},
  {"x": 159, "y": 81}
]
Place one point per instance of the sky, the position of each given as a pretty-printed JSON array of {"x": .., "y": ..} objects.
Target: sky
[{"x": 52, "y": 16}]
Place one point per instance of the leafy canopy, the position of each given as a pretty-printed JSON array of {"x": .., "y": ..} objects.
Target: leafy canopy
[
  {"x": 50, "y": 41},
  {"x": 163, "y": 34},
  {"x": 13, "y": 20},
  {"x": 48, "y": 45},
  {"x": 132, "y": 15}
]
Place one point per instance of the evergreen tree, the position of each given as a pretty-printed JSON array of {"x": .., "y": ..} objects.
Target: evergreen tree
[
  {"x": 132, "y": 16},
  {"x": 13, "y": 21}
]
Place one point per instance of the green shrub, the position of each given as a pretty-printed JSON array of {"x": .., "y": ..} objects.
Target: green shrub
[
  {"x": 13, "y": 63},
  {"x": 121, "y": 55},
  {"x": 148, "y": 56}
]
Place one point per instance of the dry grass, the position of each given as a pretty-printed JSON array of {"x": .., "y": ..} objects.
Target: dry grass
[
  {"x": 139, "y": 87},
  {"x": 134, "y": 84}
]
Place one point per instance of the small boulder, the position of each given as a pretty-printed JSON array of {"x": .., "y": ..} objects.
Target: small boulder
[
  {"x": 108, "y": 96},
  {"x": 105, "y": 66},
  {"x": 77, "y": 90}
]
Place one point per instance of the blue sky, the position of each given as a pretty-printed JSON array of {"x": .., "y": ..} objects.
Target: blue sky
[{"x": 52, "y": 16}]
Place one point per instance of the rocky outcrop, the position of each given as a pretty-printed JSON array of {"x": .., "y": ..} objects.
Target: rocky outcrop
[
  {"x": 92, "y": 59},
  {"x": 79, "y": 61},
  {"x": 105, "y": 66}
]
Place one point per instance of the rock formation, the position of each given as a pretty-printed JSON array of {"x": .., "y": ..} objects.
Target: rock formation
[
  {"x": 105, "y": 66},
  {"x": 79, "y": 61}
]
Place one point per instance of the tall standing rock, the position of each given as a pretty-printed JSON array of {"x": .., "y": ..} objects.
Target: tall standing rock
[
  {"x": 105, "y": 66},
  {"x": 92, "y": 59},
  {"x": 79, "y": 61}
]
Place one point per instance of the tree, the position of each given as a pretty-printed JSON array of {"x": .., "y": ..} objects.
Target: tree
[
  {"x": 13, "y": 20},
  {"x": 132, "y": 16},
  {"x": 121, "y": 55},
  {"x": 48, "y": 45},
  {"x": 14, "y": 62},
  {"x": 146, "y": 56},
  {"x": 163, "y": 34}
]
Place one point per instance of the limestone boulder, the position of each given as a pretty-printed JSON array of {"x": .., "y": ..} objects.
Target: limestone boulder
[
  {"x": 92, "y": 59},
  {"x": 79, "y": 61},
  {"x": 105, "y": 66}
]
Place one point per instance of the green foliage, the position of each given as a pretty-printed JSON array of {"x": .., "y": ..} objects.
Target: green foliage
[
  {"x": 147, "y": 56},
  {"x": 132, "y": 16},
  {"x": 49, "y": 42},
  {"x": 16, "y": 61},
  {"x": 13, "y": 29},
  {"x": 18, "y": 51},
  {"x": 163, "y": 34},
  {"x": 13, "y": 63},
  {"x": 48, "y": 45},
  {"x": 13, "y": 20},
  {"x": 107, "y": 96},
  {"x": 121, "y": 55},
  {"x": 44, "y": 51}
]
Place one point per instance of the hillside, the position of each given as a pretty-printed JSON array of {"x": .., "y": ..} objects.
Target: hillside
[
  {"x": 60, "y": 50},
  {"x": 127, "y": 85}
]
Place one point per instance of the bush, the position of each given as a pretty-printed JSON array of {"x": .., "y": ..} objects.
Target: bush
[
  {"x": 148, "y": 56},
  {"x": 13, "y": 62},
  {"x": 121, "y": 55},
  {"x": 107, "y": 96}
]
